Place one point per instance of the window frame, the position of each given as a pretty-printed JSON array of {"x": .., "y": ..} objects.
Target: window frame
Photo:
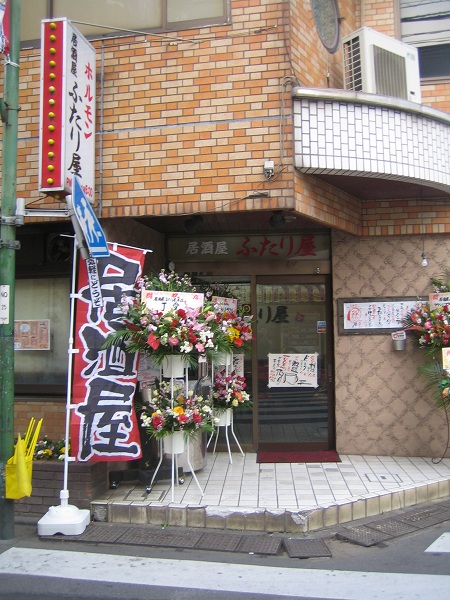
[{"x": 225, "y": 19}]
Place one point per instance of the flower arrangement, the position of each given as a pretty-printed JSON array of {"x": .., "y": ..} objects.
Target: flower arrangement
[
  {"x": 166, "y": 282},
  {"x": 229, "y": 392},
  {"x": 237, "y": 329},
  {"x": 169, "y": 409},
  {"x": 431, "y": 326},
  {"x": 48, "y": 450},
  {"x": 183, "y": 331}
]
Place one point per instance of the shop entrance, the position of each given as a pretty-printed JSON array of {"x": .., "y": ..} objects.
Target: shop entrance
[
  {"x": 289, "y": 372},
  {"x": 294, "y": 408}
]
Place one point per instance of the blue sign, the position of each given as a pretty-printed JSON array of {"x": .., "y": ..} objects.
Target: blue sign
[{"x": 91, "y": 228}]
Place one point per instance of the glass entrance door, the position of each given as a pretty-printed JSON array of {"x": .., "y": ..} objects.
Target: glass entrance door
[{"x": 293, "y": 358}]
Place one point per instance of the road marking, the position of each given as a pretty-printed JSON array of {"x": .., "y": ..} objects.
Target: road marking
[
  {"x": 441, "y": 545},
  {"x": 281, "y": 581}
]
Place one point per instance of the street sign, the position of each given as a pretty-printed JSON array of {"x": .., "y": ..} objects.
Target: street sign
[{"x": 91, "y": 228}]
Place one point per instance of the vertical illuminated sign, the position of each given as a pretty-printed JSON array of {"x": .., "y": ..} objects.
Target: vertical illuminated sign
[{"x": 67, "y": 115}]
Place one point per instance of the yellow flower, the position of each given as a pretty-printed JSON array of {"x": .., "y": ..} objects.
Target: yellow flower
[
  {"x": 232, "y": 333},
  {"x": 178, "y": 410}
]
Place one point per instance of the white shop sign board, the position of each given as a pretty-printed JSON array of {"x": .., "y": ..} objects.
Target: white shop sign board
[
  {"x": 293, "y": 370},
  {"x": 164, "y": 301}
]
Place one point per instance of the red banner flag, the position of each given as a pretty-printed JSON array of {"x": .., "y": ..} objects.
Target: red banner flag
[
  {"x": 4, "y": 27},
  {"x": 104, "y": 425}
]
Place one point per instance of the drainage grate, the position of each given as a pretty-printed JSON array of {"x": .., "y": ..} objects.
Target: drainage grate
[
  {"x": 363, "y": 536},
  {"x": 299, "y": 548},
  {"x": 218, "y": 541},
  {"x": 392, "y": 527},
  {"x": 95, "y": 534},
  {"x": 143, "y": 537},
  {"x": 259, "y": 545},
  {"x": 426, "y": 518}
]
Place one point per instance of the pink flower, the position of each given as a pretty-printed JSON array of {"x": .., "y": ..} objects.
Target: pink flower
[{"x": 174, "y": 341}]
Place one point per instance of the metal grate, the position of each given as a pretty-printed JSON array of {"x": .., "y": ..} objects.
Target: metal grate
[
  {"x": 218, "y": 541},
  {"x": 363, "y": 536},
  {"x": 392, "y": 527},
  {"x": 352, "y": 65},
  {"x": 300, "y": 548},
  {"x": 143, "y": 537},
  {"x": 259, "y": 545}
]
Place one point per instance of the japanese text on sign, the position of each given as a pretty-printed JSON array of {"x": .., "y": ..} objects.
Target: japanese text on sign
[
  {"x": 376, "y": 315},
  {"x": 293, "y": 370},
  {"x": 250, "y": 247},
  {"x": 104, "y": 425},
  {"x": 225, "y": 304},
  {"x": 164, "y": 301}
]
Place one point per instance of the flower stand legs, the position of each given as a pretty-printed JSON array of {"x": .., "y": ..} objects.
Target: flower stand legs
[
  {"x": 226, "y": 420},
  {"x": 174, "y": 449}
]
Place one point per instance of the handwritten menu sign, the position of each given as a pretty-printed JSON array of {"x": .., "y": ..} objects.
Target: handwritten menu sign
[
  {"x": 165, "y": 301},
  {"x": 32, "y": 335},
  {"x": 376, "y": 314},
  {"x": 293, "y": 370}
]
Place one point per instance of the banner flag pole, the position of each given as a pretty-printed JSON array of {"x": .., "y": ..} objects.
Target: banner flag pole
[{"x": 66, "y": 518}]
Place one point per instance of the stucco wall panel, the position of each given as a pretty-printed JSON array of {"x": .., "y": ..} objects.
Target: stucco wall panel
[{"x": 382, "y": 406}]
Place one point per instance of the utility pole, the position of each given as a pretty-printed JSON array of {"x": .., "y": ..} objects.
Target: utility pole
[{"x": 9, "y": 110}]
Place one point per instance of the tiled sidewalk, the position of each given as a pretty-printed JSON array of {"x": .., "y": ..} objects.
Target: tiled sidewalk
[{"x": 280, "y": 497}]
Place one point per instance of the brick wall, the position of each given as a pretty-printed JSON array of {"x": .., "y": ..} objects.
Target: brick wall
[
  {"x": 193, "y": 119},
  {"x": 53, "y": 413},
  {"x": 86, "y": 481}
]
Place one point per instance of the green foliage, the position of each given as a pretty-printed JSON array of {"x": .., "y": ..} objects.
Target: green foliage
[{"x": 438, "y": 381}]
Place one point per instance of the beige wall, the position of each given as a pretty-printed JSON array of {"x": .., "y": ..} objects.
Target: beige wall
[{"x": 382, "y": 406}]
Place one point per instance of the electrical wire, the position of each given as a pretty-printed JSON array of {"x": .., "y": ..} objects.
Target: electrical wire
[{"x": 436, "y": 461}]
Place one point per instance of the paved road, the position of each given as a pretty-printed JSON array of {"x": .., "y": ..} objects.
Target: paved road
[{"x": 401, "y": 569}]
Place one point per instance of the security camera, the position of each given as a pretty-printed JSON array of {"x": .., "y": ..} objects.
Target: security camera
[{"x": 269, "y": 169}]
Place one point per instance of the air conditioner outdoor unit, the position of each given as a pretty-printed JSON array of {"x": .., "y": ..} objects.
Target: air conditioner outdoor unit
[{"x": 375, "y": 63}]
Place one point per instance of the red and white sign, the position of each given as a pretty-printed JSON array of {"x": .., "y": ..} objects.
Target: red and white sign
[
  {"x": 224, "y": 304},
  {"x": 103, "y": 423},
  {"x": 165, "y": 301},
  {"x": 67, "y": 116}
]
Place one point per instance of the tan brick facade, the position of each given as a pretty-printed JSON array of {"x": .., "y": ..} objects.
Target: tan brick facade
[{"x": 194, "y": 120}]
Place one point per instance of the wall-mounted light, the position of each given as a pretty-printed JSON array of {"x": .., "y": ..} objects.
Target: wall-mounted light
[
  {"x": 277, "y": 219},
  {"x": 424, "y": 256},
  {"x": 269, "y": 169},
  {"x": 191, "y": 225}
]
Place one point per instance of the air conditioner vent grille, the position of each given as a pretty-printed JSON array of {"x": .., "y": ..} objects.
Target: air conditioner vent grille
[
  {"x": 390, "y": 73},
  {"x": 353, "y": 65}
]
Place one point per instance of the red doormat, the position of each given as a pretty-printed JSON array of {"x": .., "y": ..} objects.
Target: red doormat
[{"x": 319, "y": 456}]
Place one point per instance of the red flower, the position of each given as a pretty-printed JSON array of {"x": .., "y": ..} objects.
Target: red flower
[
  {"x": 153, "y": 341},
  {"x": 157, "y": 421},
  {"x": 197, "y": 418}
]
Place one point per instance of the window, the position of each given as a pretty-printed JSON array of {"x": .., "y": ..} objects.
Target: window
[
  {"x": 43, "y": 299},
  {"x": 434, "y": 61},
  {"x": 105, "y": 17},
  {"x": 427, "y": 26}
]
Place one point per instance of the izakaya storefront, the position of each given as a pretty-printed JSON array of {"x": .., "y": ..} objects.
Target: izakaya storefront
[{"x": 284, "y": 281}]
